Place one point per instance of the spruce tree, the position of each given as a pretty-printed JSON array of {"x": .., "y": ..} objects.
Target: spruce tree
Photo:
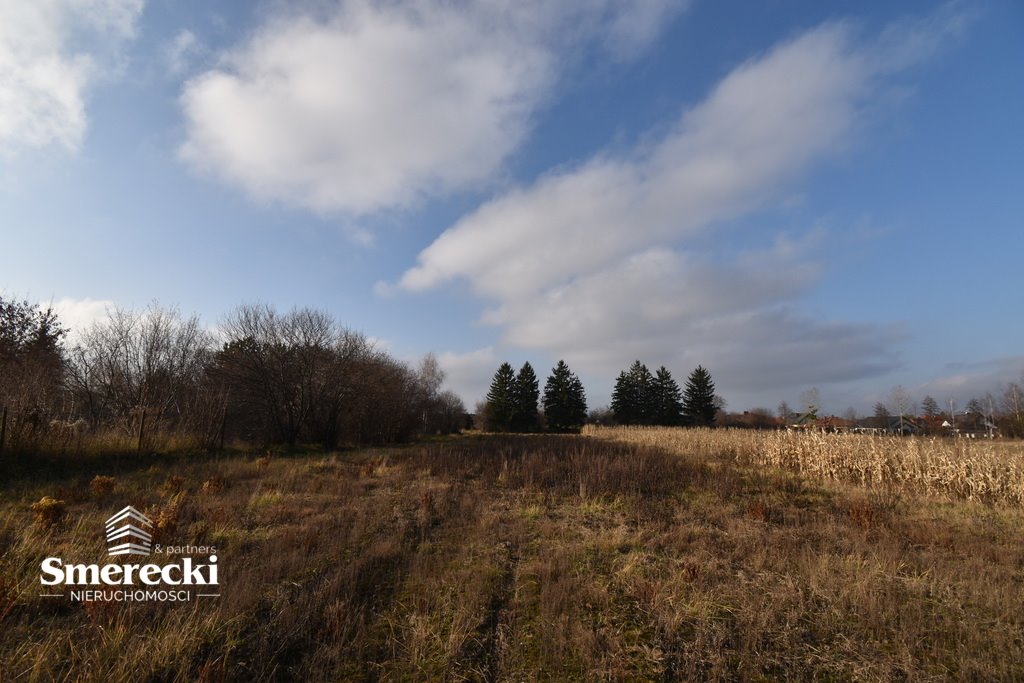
[
  {"x": 527, "y": 393},
  {"x": 565, "y": 403},
  {"x": 501, "y": 403},
  {"x": 622, "y": 403},
  {"x": 577, "y": 403},
  {"x": 643, "y": 400},
  {"x": 699, "y": 404},
  {"x": 930, "y": 407},
  {"x": 632, "y": 400},
  {"x": 667, "y": 399}
]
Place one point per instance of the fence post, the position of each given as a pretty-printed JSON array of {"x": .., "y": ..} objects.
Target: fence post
[
  {"x": 3, "y": 429},
  {"x": 223, "y": 426},
  {"x": 142, "y": 430}
]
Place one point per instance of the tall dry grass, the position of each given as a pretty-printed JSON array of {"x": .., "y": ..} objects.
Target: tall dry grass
[
  {"x": 957, "y": 469},
  {"x": 514, "y": 559}
]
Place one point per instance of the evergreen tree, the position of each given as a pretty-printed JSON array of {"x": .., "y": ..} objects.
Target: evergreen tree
[
  {"x": 632, "y": 400},
  {"x": 622, "y": 405},
  {"x": 930, "y": 407},
  {"x": 699, "y": 401},
  {"x": 565, "y": 403},
  {"x": 577, "y": 403},
  {"x": 501, "y": 399},
  {"x": 527, "y": 393},
  {"x": 666, "y": 399},
  {"x": 642, "y": 393}
]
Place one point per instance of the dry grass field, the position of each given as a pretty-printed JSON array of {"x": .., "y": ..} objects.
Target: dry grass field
[
  {"x": 956, "y": 469},
  {"x": 499, "y": 558}
]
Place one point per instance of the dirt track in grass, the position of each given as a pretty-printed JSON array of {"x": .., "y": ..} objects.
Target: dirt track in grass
[{"x": 517, "y": 558}]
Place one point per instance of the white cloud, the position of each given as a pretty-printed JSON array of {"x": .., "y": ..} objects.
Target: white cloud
[
  {"x": 51, "y": 52},
  {"x": 379, "y": 343},
  {"x": 180, "y": 52},
  {"x": 78, "y": 315},
  {"x": 469, "y": 374},
  {"x": 586, "y": 263},
  {"x": 632, "y": 31},
  {"x": 655, "y": 290},
  {"x": 759, "y": 127},
  {"x": 380, "y": 104}
]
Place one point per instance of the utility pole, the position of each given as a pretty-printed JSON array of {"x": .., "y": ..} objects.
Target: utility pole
[{"x": 991, "y": 418}]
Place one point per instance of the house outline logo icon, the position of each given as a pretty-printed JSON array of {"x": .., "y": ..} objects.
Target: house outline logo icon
[{"x": 126, "y": 535}]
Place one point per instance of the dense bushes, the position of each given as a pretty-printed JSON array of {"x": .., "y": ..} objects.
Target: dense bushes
[
  {"x": 31, "y": 371},
  {"x": 141, "y": 379}
]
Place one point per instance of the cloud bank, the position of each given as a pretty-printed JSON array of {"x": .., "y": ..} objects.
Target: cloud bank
[
  {"x": 964, "y": 381},
  {"x": 78, "y": 315},
  {"x": 599, "y": 263},
  {"x": 468, "y": 374},
  {"x": 374, "y": 106}
]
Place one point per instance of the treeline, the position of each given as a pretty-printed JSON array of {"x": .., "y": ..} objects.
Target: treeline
[
  {"x": 262, "y": 377},
  {"x": 514, "y": 399},
  {"x": 639, "y": 398}
]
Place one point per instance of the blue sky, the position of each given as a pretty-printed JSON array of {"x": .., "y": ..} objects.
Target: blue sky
[{"x": 791, "y": 193}]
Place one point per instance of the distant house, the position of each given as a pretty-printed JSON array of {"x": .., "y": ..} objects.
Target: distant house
[
  {"x": 812, "y": 422},
  {"x": 803, "y": 422},
  {"x": 972, "y": 426},
  {"x": 888, "y": 424}
]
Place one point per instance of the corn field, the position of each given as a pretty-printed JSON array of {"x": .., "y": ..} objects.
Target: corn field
[{"x": 986, "y": 471}]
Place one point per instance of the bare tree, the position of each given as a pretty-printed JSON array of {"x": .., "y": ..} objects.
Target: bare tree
[
  {"x": 450, "y": 412},
  {"x": 1013, "y": 409},
  {"x": 286, "y": 374},
  {"x": 901, "y": 402},
  {"x": 812, "y": 400},
  {"x": 299, "y": 376},
  {"x": 431, "y": 375},
  {"x": 139, "y": 362},
  {"x": 1013, "y": 400}
]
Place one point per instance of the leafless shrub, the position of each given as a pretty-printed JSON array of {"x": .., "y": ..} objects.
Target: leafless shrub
[{"x": 139, "y": 366}]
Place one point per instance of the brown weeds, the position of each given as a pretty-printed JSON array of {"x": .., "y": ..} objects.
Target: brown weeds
[
  {"x": 49, "y": 512},
  {"x": 528, "y": 558},
  {"x": 101, "y": 487}
]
